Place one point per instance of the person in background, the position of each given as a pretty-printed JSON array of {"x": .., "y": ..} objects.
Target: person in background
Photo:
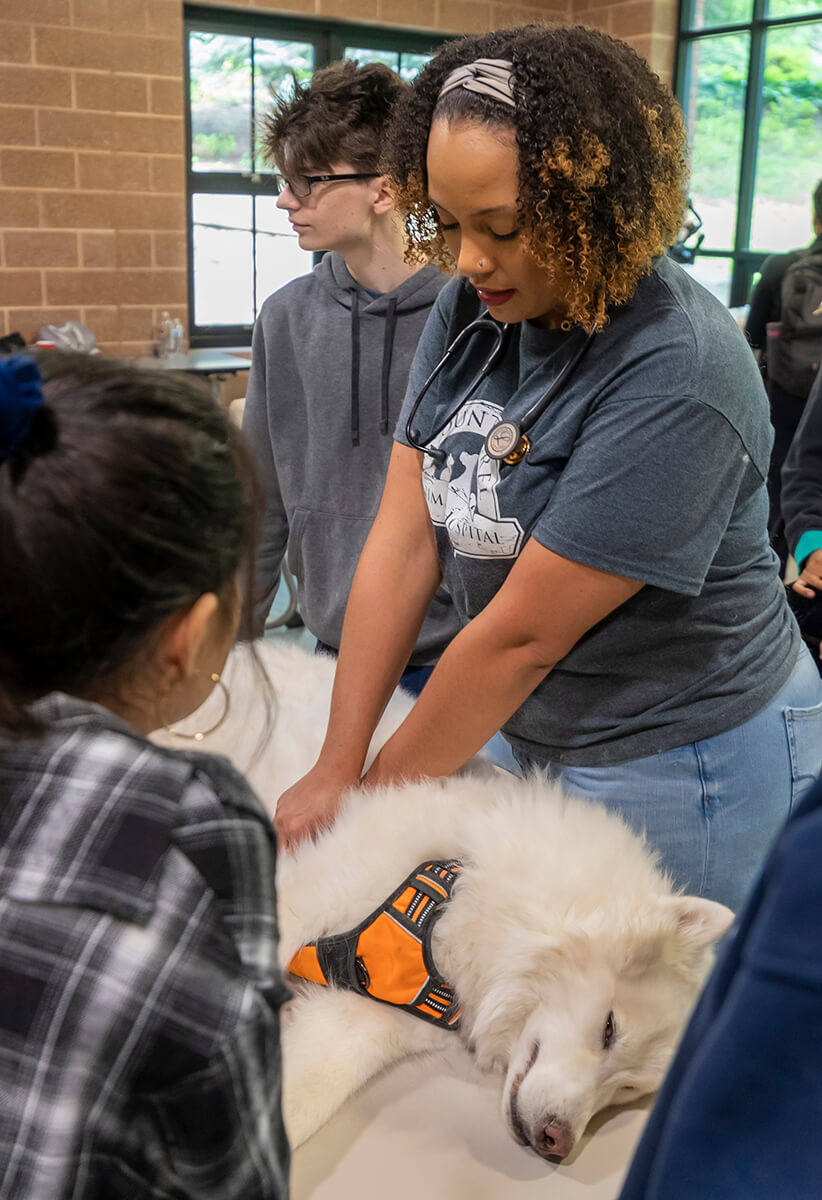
[
  {"x": 586, "y": 469},
  {"x": 332, "y": 351},
  {"x": 786, "y": 406},
  {"x": 139, "y": 984},
  {"x": 738, "y": 1113},
  {"x": 802, "y": 509}
]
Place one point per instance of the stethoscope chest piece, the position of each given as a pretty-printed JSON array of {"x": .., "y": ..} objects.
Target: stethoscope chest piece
[{"x": 506, "y": 443}]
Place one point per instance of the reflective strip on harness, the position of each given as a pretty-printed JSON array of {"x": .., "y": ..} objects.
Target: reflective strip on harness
[{"x": 388, "y": 955}]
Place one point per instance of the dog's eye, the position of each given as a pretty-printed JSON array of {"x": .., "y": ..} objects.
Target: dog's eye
[{"x": 609, "y": 1032}]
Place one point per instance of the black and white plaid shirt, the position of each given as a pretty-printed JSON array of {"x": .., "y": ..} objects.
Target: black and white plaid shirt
[{"x": 139, "y": 985}]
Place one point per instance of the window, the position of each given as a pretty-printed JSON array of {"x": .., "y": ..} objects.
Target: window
[
  {"x": 749, "y": 77},
  {"x": 240, "y": 244}
]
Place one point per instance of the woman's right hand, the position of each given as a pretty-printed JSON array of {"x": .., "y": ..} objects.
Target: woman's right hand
[{"x": 309, "y": 806}]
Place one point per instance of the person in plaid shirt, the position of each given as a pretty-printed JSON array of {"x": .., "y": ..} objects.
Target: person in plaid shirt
[{"x": 139, "y": 983}]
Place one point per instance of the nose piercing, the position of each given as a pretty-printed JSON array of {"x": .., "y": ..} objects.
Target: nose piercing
[{"x": 480, "y": 262}]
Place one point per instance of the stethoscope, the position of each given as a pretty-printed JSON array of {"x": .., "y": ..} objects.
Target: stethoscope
[{"x": 508, "y": 441}]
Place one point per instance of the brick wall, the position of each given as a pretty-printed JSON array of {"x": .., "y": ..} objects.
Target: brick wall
[
  {"x": 92, "y": 183},
  {"x": 648, "y": 25},
  {"x": 91, "y": 166}
]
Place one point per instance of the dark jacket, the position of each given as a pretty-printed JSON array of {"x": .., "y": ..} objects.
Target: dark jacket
[
  {"x": 802, "y": 476},
  {"x": 766, "y": 301},
  {"x": 739, "y": 1114}
]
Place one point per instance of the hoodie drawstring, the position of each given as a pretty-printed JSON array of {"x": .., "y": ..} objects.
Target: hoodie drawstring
[
  {"x": 387, "y": 350},
  {"x": 355, "y": 367}
]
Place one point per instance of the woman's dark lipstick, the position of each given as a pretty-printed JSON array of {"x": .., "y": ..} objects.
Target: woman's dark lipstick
[{"x": 495, "y": 299}]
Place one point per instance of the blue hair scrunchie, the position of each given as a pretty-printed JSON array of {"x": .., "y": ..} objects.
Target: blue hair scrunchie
[{"x": 21, "y": 395}]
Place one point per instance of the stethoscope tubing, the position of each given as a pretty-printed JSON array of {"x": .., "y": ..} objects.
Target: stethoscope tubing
[
  {"x": 516, "y": 431},
  {"x": 536, "y": 410},
  {"x": 483, "y": 322}
]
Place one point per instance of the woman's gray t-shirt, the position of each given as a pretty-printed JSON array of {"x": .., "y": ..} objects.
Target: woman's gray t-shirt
[{"x": 651, "y": 464}]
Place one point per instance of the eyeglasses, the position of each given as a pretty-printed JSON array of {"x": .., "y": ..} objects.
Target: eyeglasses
[{"x": 301, "y": 185}]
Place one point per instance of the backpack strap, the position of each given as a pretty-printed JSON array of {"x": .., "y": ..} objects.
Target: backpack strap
[
  {"x": 794, "y": 343},
  {"x": 789, "y": 294}
]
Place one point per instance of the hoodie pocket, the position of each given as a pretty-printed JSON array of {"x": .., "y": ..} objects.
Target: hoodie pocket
[{"x": 323, "y": 551}]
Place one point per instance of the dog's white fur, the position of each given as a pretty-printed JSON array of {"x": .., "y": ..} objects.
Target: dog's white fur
[{"x": 575, "y": 964}]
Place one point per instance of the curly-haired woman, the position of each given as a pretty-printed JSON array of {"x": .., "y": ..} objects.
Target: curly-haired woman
[{"x": 623, "y": 616}]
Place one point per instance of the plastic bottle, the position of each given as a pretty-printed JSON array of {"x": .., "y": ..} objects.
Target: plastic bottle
[
  {"x": 165, "y": 339},
  {"x": 178, "y": 336}
]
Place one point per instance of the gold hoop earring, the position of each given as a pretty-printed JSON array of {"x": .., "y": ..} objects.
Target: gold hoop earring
[{"x": 198, "y": 737}]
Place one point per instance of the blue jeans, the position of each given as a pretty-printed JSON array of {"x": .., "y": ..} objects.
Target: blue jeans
[
  {"x": 501, "y": 753},
  {"x": 713, "y": 808}
]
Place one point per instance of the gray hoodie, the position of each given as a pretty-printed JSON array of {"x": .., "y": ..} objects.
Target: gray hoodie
[{"x": 329, "y": 369}]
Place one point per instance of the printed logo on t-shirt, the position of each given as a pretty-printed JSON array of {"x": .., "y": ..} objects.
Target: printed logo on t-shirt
[{"x": 462, "y": 491}]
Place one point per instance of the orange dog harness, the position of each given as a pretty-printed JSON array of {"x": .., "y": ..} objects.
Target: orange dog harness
[{"x": 388, "y": 955}]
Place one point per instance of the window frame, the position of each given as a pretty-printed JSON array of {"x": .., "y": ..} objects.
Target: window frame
[
  {"x": 329, "y": 39},
  {"x": 744, "y": 262}
]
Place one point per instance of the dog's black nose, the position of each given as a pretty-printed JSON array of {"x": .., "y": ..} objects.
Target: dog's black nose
[{"x": 555, "y": 1139}]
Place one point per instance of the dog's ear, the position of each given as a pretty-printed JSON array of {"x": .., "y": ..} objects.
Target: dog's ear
[{"x": 699, "y": 923}]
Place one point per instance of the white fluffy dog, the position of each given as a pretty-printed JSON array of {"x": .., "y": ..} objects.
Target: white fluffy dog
[{"x": 573, "y": 961}]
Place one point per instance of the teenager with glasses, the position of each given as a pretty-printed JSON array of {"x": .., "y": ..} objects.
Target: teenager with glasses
[
  {"x": 332, "y": 351},
  {"x": 623, "y": 617}
]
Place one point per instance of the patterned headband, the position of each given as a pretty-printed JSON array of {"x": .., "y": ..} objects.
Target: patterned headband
[
  {"x": 490, "y": 76},
  {"x": 21, "y": 394}
]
